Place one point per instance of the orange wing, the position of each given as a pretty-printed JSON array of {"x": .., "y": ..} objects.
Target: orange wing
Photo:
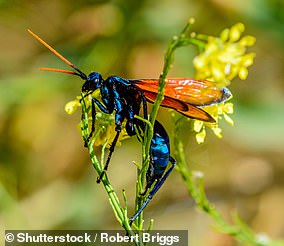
[
  {"x": 191, "y": 91},
  {"x": 181, "y": 107}
]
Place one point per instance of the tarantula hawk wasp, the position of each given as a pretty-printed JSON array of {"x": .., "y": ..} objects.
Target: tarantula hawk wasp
[{"x": 125, "y": 97}]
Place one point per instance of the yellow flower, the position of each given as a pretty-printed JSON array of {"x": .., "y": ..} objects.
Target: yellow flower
[
  {"x": 72, "y": 106},
  {"x": 200, "y": 136},
  {"x": 217, "y": 112},
  {"x": 225, "y": 57}
]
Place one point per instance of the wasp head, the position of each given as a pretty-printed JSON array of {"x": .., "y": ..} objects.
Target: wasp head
[{"x": 93, "y": 82}]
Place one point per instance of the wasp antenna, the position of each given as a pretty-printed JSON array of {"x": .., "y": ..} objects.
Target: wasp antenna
[
  {"x": 59, "y": 70},
  {"x": 80, "y": 73}
]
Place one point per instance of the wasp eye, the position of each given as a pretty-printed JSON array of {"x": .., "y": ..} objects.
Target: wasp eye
[
  {"x": 93, "y": 82},
  {"x": 95, "y": 77}
]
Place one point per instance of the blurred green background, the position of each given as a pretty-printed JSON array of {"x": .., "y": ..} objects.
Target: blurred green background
[{"x": 46, "y": 179}]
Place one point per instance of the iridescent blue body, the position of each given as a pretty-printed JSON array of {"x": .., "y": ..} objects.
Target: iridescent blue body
[
  {"x": 122, "y": 96},
  {"x": 159, "y": 154},
  {"x": 159, "y": 159},
  {"x": 119, "y": 95}
]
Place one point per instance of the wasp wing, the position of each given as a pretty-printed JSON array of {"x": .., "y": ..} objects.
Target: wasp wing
[
  {"x": 186, "y": 109},
  {"x": 191, "y": 91}
]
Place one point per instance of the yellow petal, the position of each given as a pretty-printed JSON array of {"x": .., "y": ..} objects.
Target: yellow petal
[
  {"x": 236, "y": 32},
  {"x": 217, "y": 131},
  {"x": 228, "y": 119},
  {"x": 247, "y": 60},
  {"x": 212, "y": 45},
  {"x": 247, "y": 40},
  {"x": 217, "y": 73},
  {"x": 225, "y": 35},
  {"x": 229, "y": 108},
  {"x": 243, "y": 73},
  {"x": 72, "y": 106},
  {"x": 199, "y": 61},
  {"x": 200, "y": 136},
  {"x": 197, "y": 125}
]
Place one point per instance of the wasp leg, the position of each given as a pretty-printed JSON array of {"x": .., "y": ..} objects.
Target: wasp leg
[
  {"x": 119, "y": 118},
  {"x": 93, "y": 124},
  {"x": 103, "y": 109},
  {"x": 153, "y": 191},
  {"x": 111, "y": 150},
  {"x": 144, "y": 102}
]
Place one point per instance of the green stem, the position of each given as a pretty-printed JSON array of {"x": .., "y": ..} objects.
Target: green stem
[
  {"x": 238, "y": 230},
  {"x": 177, "y": 41}
]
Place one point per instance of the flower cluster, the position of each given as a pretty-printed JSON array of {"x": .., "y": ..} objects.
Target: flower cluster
[
  {"x": 223, "y": 59},
  {"x": 217, "y": 112}
]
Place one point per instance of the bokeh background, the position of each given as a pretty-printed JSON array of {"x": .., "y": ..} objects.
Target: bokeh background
[{"x": 46, "y": 179}]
